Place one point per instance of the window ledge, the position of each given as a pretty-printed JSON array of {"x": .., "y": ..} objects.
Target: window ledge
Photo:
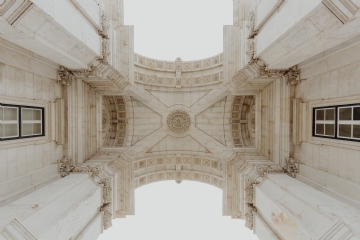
[
  {"x": 23, "y": 142},
  {"x": 335, "y": 143}
]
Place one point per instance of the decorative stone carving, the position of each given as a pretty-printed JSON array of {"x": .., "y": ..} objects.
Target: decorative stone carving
[
  {"x": 66, "y": 76},
  {"x": 104, "y": 120},
  {"x": 293, "y": 76},
  {"x": 178, "y": 121},
  {"x": 85, "y": 72},
  {"x": 271, "y": 73},
  {"x": 105, "y": 51},
  {"x": 250, "y": 52},
  {"x": 251, "y": 25},
  {"x": 107, "y": 216},
  {"x": 104, "y": 25},
  {"x": 249, "y": 190},
  {"x": 249, "y": 216},
  {"x": 291, "y": 167},
  {"x": 262, "y": 171},
  {"x": 65, "y": 167}
]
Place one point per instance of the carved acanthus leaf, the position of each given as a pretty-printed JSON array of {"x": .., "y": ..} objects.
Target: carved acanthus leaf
[
  {"x": 65, "y": 76},
  {"x": 293, "y": 76},
  {"x": 65, "y": 167},
  {"x": 291, "y": 167}
]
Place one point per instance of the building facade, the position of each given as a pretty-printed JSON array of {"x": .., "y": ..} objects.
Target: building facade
[{"x": 273, "y": 121}]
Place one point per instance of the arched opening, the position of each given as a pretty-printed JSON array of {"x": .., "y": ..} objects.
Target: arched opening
[{"x": 167, "y": 210}]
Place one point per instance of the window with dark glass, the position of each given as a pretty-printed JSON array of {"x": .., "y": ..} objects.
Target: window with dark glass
[
  {"x": 20, "y": 122},
  {"x": 339, "y": 122}
]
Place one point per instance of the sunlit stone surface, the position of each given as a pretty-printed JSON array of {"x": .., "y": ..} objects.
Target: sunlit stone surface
[{"x": 244, "y": 120}]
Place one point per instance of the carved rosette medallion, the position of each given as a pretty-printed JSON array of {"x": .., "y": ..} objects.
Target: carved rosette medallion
[{"x": 178, "y": 121}]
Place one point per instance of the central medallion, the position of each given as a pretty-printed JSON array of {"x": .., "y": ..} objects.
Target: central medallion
[{"x": 178, "y": 121}]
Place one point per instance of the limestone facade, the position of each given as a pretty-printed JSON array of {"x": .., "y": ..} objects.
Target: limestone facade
[{"x": 241, "y": 121}]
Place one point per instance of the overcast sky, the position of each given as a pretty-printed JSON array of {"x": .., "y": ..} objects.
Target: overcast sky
[
  {"x": 171, "y": 211},
  {"x": 165, "y": 30}
]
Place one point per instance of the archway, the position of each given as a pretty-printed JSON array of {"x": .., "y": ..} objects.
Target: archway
[{"x": 189, "y": 210}]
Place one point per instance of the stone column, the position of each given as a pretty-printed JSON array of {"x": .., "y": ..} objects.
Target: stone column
[
  {"x": 60, "y": 210},
  {"x": 286, "y": 208}
]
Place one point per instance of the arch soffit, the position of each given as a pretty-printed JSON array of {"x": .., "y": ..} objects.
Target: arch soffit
[
  {"x": 155, "y": 72},
  {"x": 178, "y": 168}
]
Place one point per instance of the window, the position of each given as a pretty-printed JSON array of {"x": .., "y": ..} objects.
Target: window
[
  {"x": 339, "y": 122},
  {"x": 20, "y": 122}
]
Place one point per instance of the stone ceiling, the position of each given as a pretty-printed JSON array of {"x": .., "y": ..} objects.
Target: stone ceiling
[{"x": 180, "y": 108}]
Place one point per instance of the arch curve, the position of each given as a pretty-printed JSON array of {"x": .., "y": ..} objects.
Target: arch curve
[{"x": 178, "y": 168}]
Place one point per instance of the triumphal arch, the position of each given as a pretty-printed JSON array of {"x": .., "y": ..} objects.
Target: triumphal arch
[{"x": 273, "y": 120}]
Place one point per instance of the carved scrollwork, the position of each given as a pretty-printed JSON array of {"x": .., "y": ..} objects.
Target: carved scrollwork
[{"x": 65, "y": 167}]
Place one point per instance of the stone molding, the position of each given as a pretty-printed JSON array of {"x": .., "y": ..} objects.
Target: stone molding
[
  {"x": 257, "y": 69},
  {"x": 11, "y": 10},
  {"x": 171, "y": 66},
  {"x": 178, "y": 168},
  {"x": 344, "y": 10},
  {"x": 178, "y": 73},
  {"x": 100, "y": 72}
]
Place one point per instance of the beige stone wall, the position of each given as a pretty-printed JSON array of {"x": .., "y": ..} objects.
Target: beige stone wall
[
  {"x": 335, "y": 166},
  {"x": 25, "y": 164}
]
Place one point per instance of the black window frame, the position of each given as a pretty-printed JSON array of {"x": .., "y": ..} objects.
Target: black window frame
[
  {"x": 20, "y": 121},
  {"x": 336, "y": 122}
]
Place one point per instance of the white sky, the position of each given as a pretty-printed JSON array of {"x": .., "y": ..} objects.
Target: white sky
[
  {"x": 165, "y": 30},
  {"x": 186, "y": 211}
]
